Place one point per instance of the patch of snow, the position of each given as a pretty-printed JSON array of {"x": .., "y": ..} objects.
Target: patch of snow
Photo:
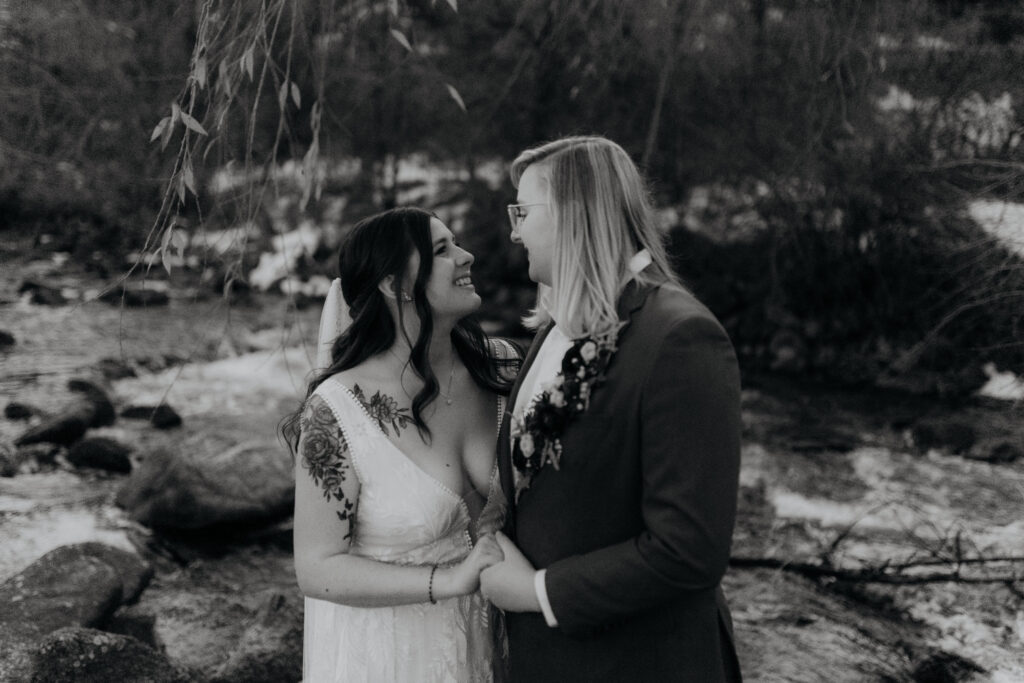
[
  {"x": 233, "y": 175},
  {"x": 289, "y": 248},
  {"x": 1001, "y": 385},
  {"x": 1000, "y": 539},
  {"x": 794, "y": 505},
  {"x": 1003, "y": 220},
  {"x": 898, "y": 99},
  {"x": 224, "y": 241},
  {"x": 937, "y": 43},
  {"x": 971, "y": 638},
  {"x": 887, "y": 42},
  {"x": 962, "y": 129},
  {"x": 315, "y": 286}
]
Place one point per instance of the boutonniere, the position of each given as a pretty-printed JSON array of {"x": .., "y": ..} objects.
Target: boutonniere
[{"x": 536, "y": 435}]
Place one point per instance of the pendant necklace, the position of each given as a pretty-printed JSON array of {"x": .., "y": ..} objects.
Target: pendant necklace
[{"x": 451, "y": 373}]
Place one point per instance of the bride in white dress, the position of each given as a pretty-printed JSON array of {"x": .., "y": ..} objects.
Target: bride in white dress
[{"x": 396, "y": 493}]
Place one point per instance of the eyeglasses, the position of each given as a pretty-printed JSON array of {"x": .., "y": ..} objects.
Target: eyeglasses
[{"x": 517, "y": 214}]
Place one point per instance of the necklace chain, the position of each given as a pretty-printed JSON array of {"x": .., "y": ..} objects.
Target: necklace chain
[
  {"x": 451, "y": 374},
  {"x": 447, "y": 396}
]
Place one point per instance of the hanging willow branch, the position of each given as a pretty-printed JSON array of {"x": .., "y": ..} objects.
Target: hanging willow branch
[{"x": 243, "y": 62}]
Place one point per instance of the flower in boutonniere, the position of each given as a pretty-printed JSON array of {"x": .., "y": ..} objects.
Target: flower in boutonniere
[
  {"x": 536, "y": 435},
  {"x": 557, "y": 398}
]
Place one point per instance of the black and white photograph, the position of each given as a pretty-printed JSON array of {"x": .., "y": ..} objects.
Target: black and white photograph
[{"x": 512, "y": 341}]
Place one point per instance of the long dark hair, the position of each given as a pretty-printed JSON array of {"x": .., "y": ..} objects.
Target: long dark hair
[{"x": 377, "y": 247}]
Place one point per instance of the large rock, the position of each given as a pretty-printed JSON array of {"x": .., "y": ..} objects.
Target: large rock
[
  {"x": 103, "y": 410},
  {"x": 1000, "y": 453},
  {"x": 101, "y": 453},
  {"x": 162, "y": 416},
  {"x": 949, "y": 434},
  {"x": 137, "y": 296},
  {"x": 789, "y": 628},
  {"x": 9, "y": 460},
  {"x": 115, "y": 368},
  {"x": 192, "y": 488},
  {"x": 64, "y": 429},
  {"x": 76, "y": 585},
  {"x": 91, "y": 407},
  {"x": 270, "y": 648},
  {"x": 42, "y": 295},
  {"x": 18, "y": 411},
  {"x": 234, "y": 618},
  {"x": 85, "y": 655}
]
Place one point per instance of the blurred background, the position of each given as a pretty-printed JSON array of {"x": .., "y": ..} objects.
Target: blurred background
[{"x": 840, "y": 181}]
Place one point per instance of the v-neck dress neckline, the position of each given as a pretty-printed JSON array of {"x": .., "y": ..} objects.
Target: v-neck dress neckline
[{"x": 493, "y": 482}]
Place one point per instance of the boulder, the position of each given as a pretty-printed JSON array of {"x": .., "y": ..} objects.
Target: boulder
[
  {"x": 113, "y": 369},
  {"x": 101, "y": 453},
  {"x": 103, "y": 409},
  {"x": 135, "y": 572},
  {"x": 1001, "y": 453},
  {"x": 6, "y": 339},
  {"x": 135, "y": 296},
  {"x": 76, "y": 585},
  {"x": 232, "y": 618},
  {"x": 948, "y": 434},
  {"x": 193, "y": 488},
  {"x": 270, "y": 647},
  {"x": 9, "y": 460},
  {"x": 939, "y": 667},
  {"x": 18, "y": 411},
  {"x": 44, "y": 454},
  {"x": 64, "y": 429},
  {"x": 91, "y": 407},
  {"x": 85, "y": 655},
  {"x": 42, "y": 295},
  {"x": 162, "y": 416},
  {"x": 22, "y": 459}
]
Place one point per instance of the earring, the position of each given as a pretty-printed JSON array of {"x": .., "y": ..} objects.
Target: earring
[{"x": 406, "y": 297}]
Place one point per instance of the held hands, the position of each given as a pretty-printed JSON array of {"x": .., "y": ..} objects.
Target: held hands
[
  {"x": 509, "y": 583},
  {"x": 464, "y": 578}
]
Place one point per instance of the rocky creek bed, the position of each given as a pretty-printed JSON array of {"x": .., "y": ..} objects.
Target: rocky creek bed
[{"x": 880, "y": 535}]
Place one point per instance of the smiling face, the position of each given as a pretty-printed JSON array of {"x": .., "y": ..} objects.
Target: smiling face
[
  {"x": 536, "y": 230},
  {"x": 450, "y": 291}
]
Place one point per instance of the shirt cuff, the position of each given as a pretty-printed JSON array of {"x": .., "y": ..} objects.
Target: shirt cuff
[{"x": 541, "y": 589}]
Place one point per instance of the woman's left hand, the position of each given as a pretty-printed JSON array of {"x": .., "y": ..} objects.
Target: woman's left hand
[{"x": 509, "y": 584}]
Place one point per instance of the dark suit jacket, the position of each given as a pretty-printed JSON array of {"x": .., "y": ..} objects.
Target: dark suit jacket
[{"x": 635, "y": 527}]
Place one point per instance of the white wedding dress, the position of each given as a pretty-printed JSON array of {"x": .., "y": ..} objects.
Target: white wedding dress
[{"x": 405, "y": 517}]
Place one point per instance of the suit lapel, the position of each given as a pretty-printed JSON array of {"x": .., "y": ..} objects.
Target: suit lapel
[
  {"x": 632, "y": 298},
  {"x": 504, "y": 447}
]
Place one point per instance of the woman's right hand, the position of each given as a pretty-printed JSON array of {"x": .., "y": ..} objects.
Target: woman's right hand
[{"x": 464, "y": 578}]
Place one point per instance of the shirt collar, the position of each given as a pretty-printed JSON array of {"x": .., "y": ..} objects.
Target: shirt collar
[{"x": 640, "y": 260}]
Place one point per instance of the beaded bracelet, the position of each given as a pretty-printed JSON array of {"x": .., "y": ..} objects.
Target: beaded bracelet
[{"x": 430, "y": 586}]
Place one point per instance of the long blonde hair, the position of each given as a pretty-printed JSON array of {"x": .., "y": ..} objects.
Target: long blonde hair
[{"x": 603, "y": 217}]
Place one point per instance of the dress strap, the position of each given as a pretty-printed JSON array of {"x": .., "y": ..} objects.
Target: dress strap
[{"x": 350, "y": 416}]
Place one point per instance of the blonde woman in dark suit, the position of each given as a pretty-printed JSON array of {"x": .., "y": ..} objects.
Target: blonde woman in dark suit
[{"x": 620, "y": 457}]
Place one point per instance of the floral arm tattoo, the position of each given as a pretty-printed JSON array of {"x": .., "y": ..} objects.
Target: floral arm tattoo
[{"x": 325, "y": 455}]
